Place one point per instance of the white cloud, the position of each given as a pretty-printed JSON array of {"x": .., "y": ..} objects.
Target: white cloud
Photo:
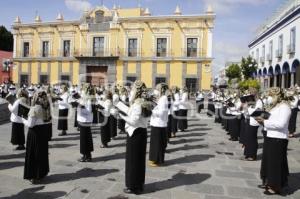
[
  {"x": 226, "y": 6},
  {"x": 78, "y": 5}
]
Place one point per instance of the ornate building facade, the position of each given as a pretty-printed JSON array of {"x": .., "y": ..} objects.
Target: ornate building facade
[{"x": 116, "y": 46}]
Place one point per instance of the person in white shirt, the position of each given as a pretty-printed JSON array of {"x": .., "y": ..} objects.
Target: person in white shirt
[
  {"x": 210, "y": 106},
  {"x": 113, "y": 122},
  {"x": 107, "y": 104},
  {"x": 17, "y": 131},
  {"x": 85, "y": 119},
  {"x": 158, "y": 123},
  {"x": 294, "y": 106},
  {"x": 37, "y": 150},
  {"x": 63, "y": 111},
  {"x": 200, "y": 101},
  {"x": 183, "y": 110},
  {"x": 175, "y": 110},
  {"x": 274, "y": 166},
  {"x": 124, "y": 99},
  {"x": 136, "y": 145}
]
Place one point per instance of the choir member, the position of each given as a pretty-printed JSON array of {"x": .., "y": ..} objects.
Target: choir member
[
  {"x": 218, "y": 107},
  {"x": 274, "y": 170},
  {"x": 105, "y": 126},
  {"x": 234, "y": 120},
  {"x": 113, "y": 122},
  {"x": 170, "y": 114},
  {"x": 124, "y": 99},
  {"x": 36, "y": 159},
  {"x": 85, "y": 119},
  {"x": 63, "y": 110},
  {"x": 17, "y": 131},
  {"x": 294, "y": 107},
  {"x": 183, "y": 110},
  {"x": 49, "y": 123},
  {"x": 175, "y": 110},
  {"x": 158, "y": 123},
  {"x": 136, "y": 127},
  {"x": 199, "y": 101},
  {"x": 210, "y": 107},
  {"x": 251, "y": 128}
]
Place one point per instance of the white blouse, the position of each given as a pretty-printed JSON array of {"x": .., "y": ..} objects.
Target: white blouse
[
  {"x": 85, "y": 115},
  {"x": 184, "y": 101},
  {"x": 159, "y": 117},
  {"x": 277, "y": 124},
  {"x": 64, "y": 103},
  {"x": 14, "y": 112}
]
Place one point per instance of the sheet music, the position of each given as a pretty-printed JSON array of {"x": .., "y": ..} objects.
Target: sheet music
[{"x": 122, "y": 107}]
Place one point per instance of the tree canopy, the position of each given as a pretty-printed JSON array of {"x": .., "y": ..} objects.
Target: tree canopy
[
  {"x": 6, "y": 39},
  {"x": 248, "y": 67},
  {"x": 233, "y": 72}
]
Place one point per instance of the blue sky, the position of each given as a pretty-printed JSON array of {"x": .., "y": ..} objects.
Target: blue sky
[{"x": 236, "y": 23}]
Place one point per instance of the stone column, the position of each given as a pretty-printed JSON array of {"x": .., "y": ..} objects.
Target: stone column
[
  {"x": 275, "y": 81},
  {"x": 292, "y": 79}
]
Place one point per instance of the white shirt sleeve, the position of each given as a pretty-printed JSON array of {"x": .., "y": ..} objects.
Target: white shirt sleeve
[
  {"x": 161, "y": 108},
  {"x": 278, "y": 123},
  {"x": 30, "y": 122},
  {"x": 14, "y": 108},
  {"x": 133, "y": 118}
]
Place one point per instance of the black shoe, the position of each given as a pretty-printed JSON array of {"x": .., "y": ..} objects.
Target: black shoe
[
  {"x": 83, "y": 159},
  {"x": 20, "y": 148},
  {"x": 62, "y": 134}
]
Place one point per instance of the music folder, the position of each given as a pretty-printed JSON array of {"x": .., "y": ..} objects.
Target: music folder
[
  {"x": 260, "y": 113},
  {"x": 23, "y": 111},
  {"x": 122, "y": 108}
]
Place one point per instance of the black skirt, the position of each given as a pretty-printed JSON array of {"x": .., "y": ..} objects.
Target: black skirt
[
  {"x": 95, "y": 114},
  {"x": 293, "y": 120},
  {"x": 218, "y": 115},
  {"x": 49, "y": 131},
  {"x": 243, "y": 126},
  {"x": 250, "y": 142},
  {"x": 274, "y": 167},
  {"x": 75, "y": 120},
  {"x": 200, "y": 105},
  {"x": 169, "y": 128},
  {"x": 158, "y": 143},
  {"x": 17, "y": 134},
  {"x": 121, "y": 124},
  {"x": 234, "y": 127},
  {"x": 86, "y": 139},
  {"x": 135, "y": 166},
  {"x": 63, "y": 119},
  {"x": 113, "y": 126},
  {"x": 36, "y": 159},
  {"x": 182, "y": 120},
  {"x": 105, "y": 131},
  {"x": 175, "y": 122},
  {"x": 210, "y": 108}
]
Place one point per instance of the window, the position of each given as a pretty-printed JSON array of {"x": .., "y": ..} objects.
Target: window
[
  {"x": 161, "y": 47},
  {"x": 263, "y": 53},
  {"x": 293, "y": 39},
  {"x": 67, "y": 47},
  {"x": 65, "y": 78},
  {"x": 271, "y": 49},
  {"x": 132, "y": 47},
  {"x": 26, "y": 49},
  {"x": 192, "y": 44},
  {"x": 159, "y": 80},
  {"x": 280, "y": 44},
  {"x": 98, "y": 46},
  {"x": 130, "y": 80},
  {"x": 191, "y": 84},
  {"x": 23, "y": 79},
  {"x": 44, "y": 79},
  {"x": 45, "y": 50}
]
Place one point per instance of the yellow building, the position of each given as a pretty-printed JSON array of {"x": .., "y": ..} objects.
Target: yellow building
[{"x": 117, "y": 45}]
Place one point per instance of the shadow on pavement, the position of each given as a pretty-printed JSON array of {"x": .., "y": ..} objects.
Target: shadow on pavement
[
  {"x": 33, "y": 193},
  {"x": 186, "y": 147},
  {"x": 9, "y": 165},
  {"x": 12, "y": 156},
  {"x": 83, "y": 173},
  {"x": 190, "y": 135},
  {"x": 179, "y": 179},
  {"x": 110, "y": 157},
  {"x": 183, "y": 141},
  {"x": 188, "y": 159}
]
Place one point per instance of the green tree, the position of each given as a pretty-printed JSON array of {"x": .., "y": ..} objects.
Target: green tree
[
  {"x": 248, "y": 66},
  {"x": 233, "y": 72},
  {"x": 6, "y": 39}
]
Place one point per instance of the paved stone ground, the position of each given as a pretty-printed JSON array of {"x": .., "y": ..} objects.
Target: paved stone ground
[{"x": 200, "y": 163}]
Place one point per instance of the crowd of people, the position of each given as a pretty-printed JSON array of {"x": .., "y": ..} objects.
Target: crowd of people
[
  {"x": 163, "y": 108},
  {"x": 131, "y": 109},
  {"x": 241, "y": 115}
]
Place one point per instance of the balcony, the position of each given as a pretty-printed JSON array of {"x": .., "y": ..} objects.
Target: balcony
[
  {"x": 99, "y": 53},
  {"x": 279, "y": 54},
  {"x": 291, "y": 49}
]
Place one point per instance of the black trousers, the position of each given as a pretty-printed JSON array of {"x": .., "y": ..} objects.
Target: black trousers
[
  {"x": 182, "y": 120},
  {"x": 105, "y": 131},
  {"x": 135, "y": 162},
  {"x": 86, "y": 139},
  {"x": 63, "y": 119}
]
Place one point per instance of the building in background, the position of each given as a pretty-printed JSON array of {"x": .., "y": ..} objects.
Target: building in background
[
  {"x": 275, "y": 48},
  {"x": 116, "y": 45},
  {"x": 5, "y": 66}
]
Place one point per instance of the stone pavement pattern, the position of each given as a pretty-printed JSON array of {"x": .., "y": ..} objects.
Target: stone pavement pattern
[{"x": 200, "y": 163}]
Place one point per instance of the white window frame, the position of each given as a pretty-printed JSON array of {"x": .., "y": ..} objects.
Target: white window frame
[
  {"x": 169, "y": 42},
  {"x": 90, "y": 42}
]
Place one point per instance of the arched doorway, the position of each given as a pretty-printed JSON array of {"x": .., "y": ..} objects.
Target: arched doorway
[
  {"x": 296, "y": 71},
  {"x": 278, "y": 75},
  {"x": 271, "y": 76},
  {"x": 265, "y": 75},
  {"x": 287, "y": 75}
]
